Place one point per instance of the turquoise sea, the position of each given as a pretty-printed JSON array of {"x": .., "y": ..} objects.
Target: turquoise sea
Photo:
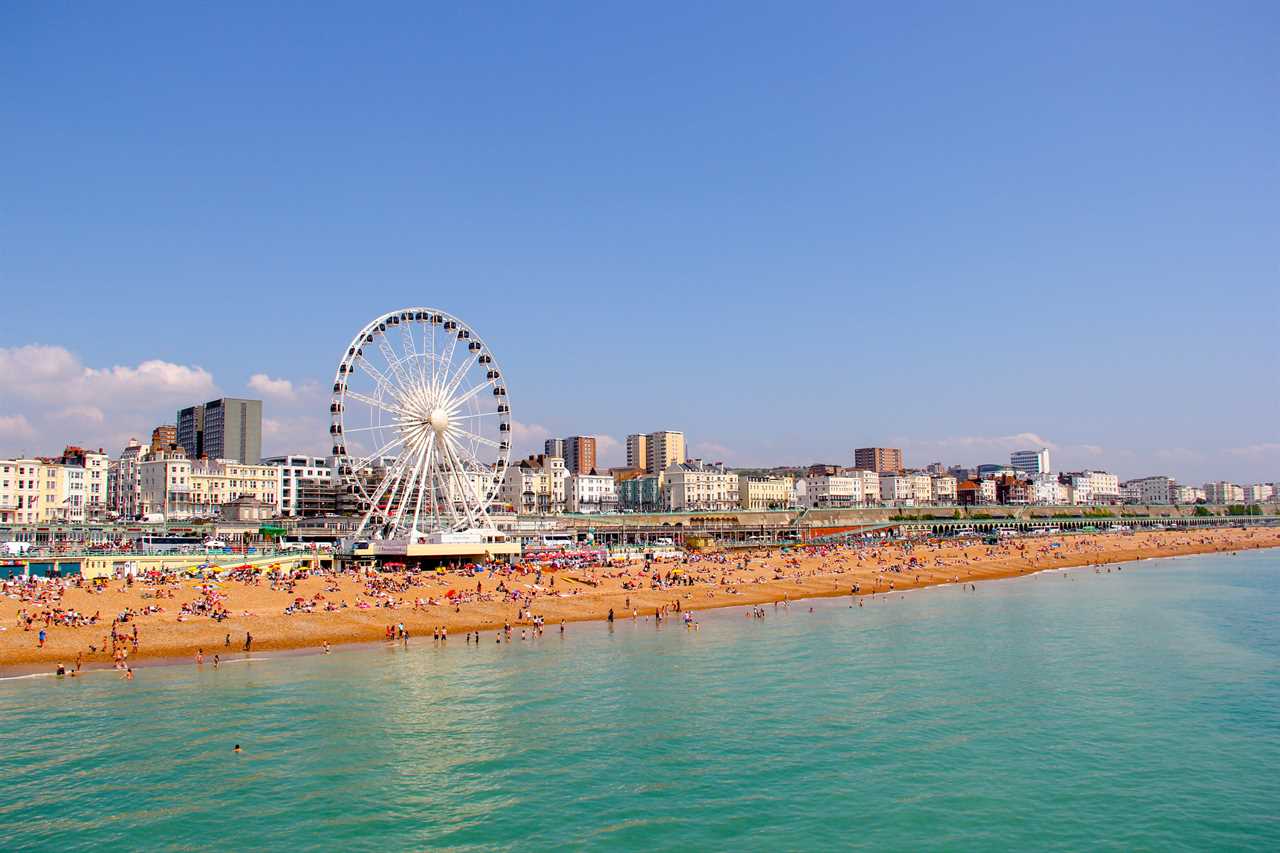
[{"x": 1137, "y": 709}]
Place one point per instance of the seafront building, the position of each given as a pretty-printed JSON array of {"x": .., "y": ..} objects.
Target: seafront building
[
  {"x": 307, "y": 484},
  {"x": 590, "y": 493},
  {"x": 1093, "y": 487},
  {"x": 71, "y": 488},
  {"x": 1151, "y": 491},
  {"x": 1185, "y": 495},
  {"x": 882, "y": 460},
  {"x": 174, "y": 486},
  {"x": 1222, "y": 492},
  {"x": 1259, "y": 492},
  {"x": 943, "y": 488},
  {"x": 639, "y": 492},
  {"x": 536, "y": 484},
  {"x": 698, "y": 485},
  {"x": 756, "y": 492},
  {"x": 1030, "y": 462}
]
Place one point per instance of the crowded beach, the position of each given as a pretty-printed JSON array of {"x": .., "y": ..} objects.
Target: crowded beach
[{"x": 71, "y": 625}]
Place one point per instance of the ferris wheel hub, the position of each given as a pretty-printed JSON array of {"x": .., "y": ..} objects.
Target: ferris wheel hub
[{"x": 438, "y": 420}]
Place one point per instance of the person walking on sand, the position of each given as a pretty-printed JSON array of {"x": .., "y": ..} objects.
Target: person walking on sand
[
  {"x": 42, "y": 635},
  {"x": 248, "y": 641}
]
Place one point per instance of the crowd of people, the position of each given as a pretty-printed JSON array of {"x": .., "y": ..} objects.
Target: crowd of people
[{"x": 526, "y": 594}]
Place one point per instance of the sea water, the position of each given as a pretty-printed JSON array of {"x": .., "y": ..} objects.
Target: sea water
[{"x": 1135, "y": 709}]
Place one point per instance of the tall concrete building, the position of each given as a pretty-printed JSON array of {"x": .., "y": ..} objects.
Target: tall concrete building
[
  {"x": 189, "y": 432},
  {"x": 577, "y": 451},
  {"x": 882, "y": 460},
  {"x": 228, "y": 428},
  {"x": 1030, "y": 461},
  {"x": 665, "y": 447},
  {"x": 638, "y": 451},
  {"x": 580, "y": 454}
]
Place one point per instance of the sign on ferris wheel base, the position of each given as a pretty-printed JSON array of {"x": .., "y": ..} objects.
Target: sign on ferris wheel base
[{"x": 478, "y": 544}]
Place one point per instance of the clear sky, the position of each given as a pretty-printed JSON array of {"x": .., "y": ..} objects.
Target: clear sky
[{"x": 787, "y": 229}]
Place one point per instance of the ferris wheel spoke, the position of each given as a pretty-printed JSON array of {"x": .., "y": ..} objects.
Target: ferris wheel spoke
[
  {"x": 393, "y": 361},
  {"x": 440, "y": 476},
  {"x": 455, "y": 450},
  {"x": 374, "y": 402},
  {"x": 447, "y": 361},
  {"x": 420, "y": 359},
  {"x": 380, "y": 379},
  {"x": 459, "y": 476},
  {"x": 452, "y": 384},
  {"x": 377, "y": 454},
  {"x": 381, "y": 490},
  {"x": 455, "y": 404},
  {"x": 475, "y": 415},
  {"x": 421, "y": 472},
  {"x": 414, "y": 471},
  {"x": 480, "y": 438},
  {"x": 370, "y": 428}
]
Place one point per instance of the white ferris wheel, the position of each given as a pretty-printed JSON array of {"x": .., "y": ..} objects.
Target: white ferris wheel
[{"x": 421, "y": 426}]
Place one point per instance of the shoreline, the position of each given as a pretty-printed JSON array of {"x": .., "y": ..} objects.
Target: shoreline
[{"x": 830, "y": 573}]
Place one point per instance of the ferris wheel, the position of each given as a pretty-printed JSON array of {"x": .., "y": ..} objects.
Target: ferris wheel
[{"x": 421, "y": 425}]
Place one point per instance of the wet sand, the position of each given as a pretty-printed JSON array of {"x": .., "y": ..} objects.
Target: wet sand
[{"x": 719, "y": 580}]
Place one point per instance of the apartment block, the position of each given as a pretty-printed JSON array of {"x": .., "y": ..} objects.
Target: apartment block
[{"x": 882, "y": 460}]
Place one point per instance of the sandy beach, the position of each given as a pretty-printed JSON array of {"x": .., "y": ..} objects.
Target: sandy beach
[{"x": 348, "y": 608}]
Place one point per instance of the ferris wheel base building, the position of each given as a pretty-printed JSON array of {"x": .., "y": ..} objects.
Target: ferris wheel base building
[{"x": 471, "y": 546}]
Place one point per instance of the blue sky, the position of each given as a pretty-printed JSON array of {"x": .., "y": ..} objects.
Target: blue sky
[{"x": 787, "y": 229}]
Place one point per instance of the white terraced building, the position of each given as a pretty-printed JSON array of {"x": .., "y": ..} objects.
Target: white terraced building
[
  {"x": 698, "y": 485},
  {"x": 296, "y": 472},
  {"x": 588, "y": 493}
]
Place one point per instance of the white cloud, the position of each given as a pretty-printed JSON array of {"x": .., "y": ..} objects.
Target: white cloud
[
  {"x": 64, "y": 401},
  {"x": 53, "y": 374},
  {"x": 296, "y": 433},
  {"x": 527, "y": 438},
  {"x": 91, "y": 414},
  {"x": 1263, "y": 449},
  {"x": 15, "y": 427},
  {"x": 1178, "y": 454},
  {"x": 610, "y": 452},
  {"x": 711, "y": 451},
  {"x": 264, "y": 384},
  {"x": 1018, "y": 441}
]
